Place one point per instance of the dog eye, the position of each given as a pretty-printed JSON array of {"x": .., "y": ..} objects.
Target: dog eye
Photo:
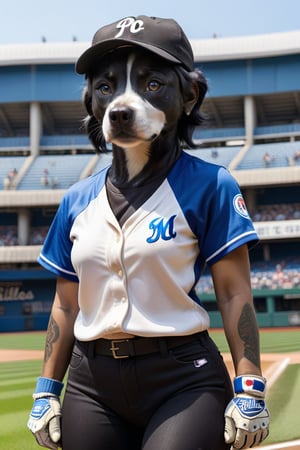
[
  {"x": 153, "y": 85},
  {"x": 104, "y": 89}
]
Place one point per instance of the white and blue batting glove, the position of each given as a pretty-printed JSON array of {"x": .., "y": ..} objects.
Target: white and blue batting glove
[
  {"x": 44, "y": 419},
  {"x": 247, "y": 418}
]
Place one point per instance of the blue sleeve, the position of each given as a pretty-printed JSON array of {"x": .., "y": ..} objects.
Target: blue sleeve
[
  {"x": 56, "y": 252},
  {"x": 213, "y": 205},
  {"x": 230, "y": 225}
]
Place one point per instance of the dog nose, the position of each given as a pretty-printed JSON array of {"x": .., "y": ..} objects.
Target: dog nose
[{"x": 121, "y": 115}]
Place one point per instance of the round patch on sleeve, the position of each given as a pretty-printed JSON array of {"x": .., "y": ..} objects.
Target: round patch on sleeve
[{"x": 240, "y": 207}]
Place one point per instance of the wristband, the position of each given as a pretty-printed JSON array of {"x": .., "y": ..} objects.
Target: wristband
[
  {"x": 250, "y": 384},
  {"x": 49, "y": 386}
]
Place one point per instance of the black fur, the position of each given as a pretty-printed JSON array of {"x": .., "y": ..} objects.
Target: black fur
[{"x": 186, "y": 123}]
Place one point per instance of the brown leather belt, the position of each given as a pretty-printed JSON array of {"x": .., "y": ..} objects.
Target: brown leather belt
[{"x": 126, "y": 348}]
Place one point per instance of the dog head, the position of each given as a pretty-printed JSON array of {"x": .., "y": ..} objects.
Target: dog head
[{"x": 141, "y": 94}]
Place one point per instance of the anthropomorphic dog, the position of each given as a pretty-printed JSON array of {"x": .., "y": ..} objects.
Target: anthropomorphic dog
[
  {"x": 128, "y": 246},
  {"x": 146, "y": 107}
]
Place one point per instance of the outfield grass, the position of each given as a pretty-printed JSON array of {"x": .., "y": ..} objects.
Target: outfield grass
[
  {"x": 271, "y": 341},
  {"x": 18, "y": 379},
  {"x": 23, "y": 341},
  {"x": 17, "y": 382},
  {"x": 283, "y": 397},
  {"x": 283, "y": 403}
]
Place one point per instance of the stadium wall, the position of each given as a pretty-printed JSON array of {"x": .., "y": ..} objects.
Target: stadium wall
[
  {"x": 254, "y": 97},
  {"x": 25, "y": 304}
]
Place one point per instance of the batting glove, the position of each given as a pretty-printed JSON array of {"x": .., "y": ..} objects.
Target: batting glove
[
  {"x": 246, "y": 416},
  {"x": 44, "y": 419}
]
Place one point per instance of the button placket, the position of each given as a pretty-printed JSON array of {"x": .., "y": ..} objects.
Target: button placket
[{"x": 119, "y": 297}]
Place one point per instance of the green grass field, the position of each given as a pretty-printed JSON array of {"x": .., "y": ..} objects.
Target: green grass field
[
  {"x": 17, "y": 382},
  {"x": 271, "y": 341}
]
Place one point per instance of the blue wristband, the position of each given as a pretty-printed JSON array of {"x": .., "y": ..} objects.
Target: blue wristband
[
  {"x": 49, "y": 385},
  {"x": 250, "y": 384}
]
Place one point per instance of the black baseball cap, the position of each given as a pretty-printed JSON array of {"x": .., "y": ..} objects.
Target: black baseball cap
[{"x": 164, "y": 37}]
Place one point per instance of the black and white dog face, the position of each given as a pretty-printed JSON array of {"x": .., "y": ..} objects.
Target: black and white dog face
[
  {"x": 134, "y": 114},
  {"x": 137, "y": 95},
  {"x": 135, "y": 101}
]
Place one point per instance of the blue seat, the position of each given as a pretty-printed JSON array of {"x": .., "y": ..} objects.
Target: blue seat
[{"x": 54, "y": 171}]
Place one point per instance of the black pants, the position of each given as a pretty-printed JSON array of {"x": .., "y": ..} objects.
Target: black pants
[{"x": 170, "y": 400}]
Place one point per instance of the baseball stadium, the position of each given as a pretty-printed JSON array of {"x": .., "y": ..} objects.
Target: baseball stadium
[{"x": 252, "y": 128}]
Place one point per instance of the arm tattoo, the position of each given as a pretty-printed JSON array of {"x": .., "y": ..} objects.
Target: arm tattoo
[
  {"x": 248, "y": 332},
  {"x": 52, "y": 336}
]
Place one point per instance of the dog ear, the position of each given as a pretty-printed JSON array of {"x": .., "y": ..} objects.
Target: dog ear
[
  {"x": 190, "y": 95},
  {"x": 91, "y": 124},
  {"x": 193, "y": 87},
  {"x": 87, "y": 99}
]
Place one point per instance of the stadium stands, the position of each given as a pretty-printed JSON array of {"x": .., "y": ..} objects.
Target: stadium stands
[
  {"x": 269, "y": 155},
  {"x": 54, "y": 171},
  {"x": 252, "y": 127},
  {"x": 9, "y": 167},
  {"x": 217, "y": 155}
]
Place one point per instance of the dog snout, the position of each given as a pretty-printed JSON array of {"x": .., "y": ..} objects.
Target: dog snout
[{"x": 121, "y": 116}]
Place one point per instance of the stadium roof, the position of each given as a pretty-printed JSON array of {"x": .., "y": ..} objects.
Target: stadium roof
[
  {"x": 65, "y": 117},
  {"x": 245, "y": 47},
  {"x": 213, "y": 49}
]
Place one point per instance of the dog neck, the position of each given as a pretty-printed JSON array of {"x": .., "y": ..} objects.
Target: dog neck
[
  {"x": 129, "y": 162},
  {"x": 138, "y": 165},
  {"x": 138, "y": 101}
]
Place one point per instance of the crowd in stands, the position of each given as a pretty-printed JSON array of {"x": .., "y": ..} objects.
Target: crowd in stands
[
  {"x": 282, "y": 211},
  {"x": 8, "y": 181},
  {"x": 275, "y": 212},
  {"x": 9, "y": 235},
  {"x": 268, "y": 159},
  {"x": 267, "y": 275},
  {"x": 264, "y": 275},
  {"x": 282, "y": 276},
  {"x": 295, "y": 159},
  {"x": 37, "y": 235},
  {"x": 49, "y": 181},
  {"x": 46, "y": 180}
]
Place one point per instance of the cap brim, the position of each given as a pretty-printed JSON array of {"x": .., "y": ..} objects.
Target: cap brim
[{"x": 87, "y": 60}]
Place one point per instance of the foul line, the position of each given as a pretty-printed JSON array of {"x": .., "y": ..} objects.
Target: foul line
[
  {"x": 282, "y": 445},
  {"x": 271, "y": 379},
  {"x": 276, "y": 374}
]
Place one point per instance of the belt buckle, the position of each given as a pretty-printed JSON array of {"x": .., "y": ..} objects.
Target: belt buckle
[{"x": 114, "y": 349}]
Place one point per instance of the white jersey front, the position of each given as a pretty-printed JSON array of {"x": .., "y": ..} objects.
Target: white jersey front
[{"x": 140, "y": 278}]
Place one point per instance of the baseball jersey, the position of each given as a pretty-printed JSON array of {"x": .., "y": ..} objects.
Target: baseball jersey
[{"x": 140, "y": 277}]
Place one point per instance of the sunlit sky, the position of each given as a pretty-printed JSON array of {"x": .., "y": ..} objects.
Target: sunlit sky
[{"x": 28, "y": 21}]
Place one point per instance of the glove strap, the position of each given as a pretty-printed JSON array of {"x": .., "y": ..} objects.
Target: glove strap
[
  {"x": 49, "y": 386},
  {"x": 250, "y": 384}
]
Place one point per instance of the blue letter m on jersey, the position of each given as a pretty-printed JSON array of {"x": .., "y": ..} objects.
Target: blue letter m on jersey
[{"x": 161, "y": 229}]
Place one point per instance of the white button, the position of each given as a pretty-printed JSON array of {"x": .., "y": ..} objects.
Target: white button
[{"x": 120, "y": 273}]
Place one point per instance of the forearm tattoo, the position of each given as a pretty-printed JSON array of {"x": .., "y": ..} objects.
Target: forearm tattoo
[
  {"x": 248, "y": 332},
  {"x": 52, "y": 336}
]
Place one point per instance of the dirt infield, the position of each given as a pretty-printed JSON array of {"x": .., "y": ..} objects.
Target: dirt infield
[
  {"x": 20, "y": 355},
  {"x": 273, "y": 364}
]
